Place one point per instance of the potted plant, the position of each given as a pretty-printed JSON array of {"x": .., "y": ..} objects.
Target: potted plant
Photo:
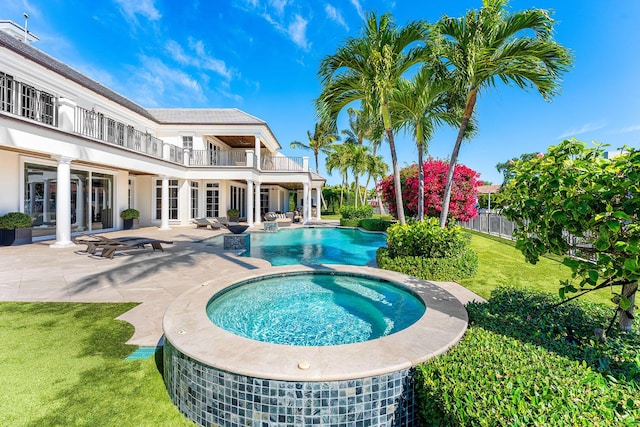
[
  {"x": 130, "y": 219},
  {"x": 15, "y": 229},
  {"x": 233, "y": 215}
]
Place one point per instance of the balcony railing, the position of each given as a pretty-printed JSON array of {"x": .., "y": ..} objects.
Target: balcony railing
[
  {"x": 98, "y": 126},
  {"x": 27, "y": 101},
  {"x": 281, "y": 163},
  {"x": 218, "y": 158}
]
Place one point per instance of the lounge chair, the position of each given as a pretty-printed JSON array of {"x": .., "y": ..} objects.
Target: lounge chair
[
  {"x": 109, "y": 250},
  {"x": 204, "y": 222},
  {"x": 94, "y": 242}
]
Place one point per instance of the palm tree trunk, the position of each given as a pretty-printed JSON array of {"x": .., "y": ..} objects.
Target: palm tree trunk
[
  {"x": 420, "y": 183},
  {"x": 468, "y": 111},
  {"x": 379, "y": 196},
  {"x": 396, "y": 178}
]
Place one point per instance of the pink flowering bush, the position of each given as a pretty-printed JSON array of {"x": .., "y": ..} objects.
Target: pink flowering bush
[{"x": 463, "y": 194}]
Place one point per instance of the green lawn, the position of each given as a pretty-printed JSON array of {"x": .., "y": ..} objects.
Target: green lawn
[
  {"x": 500, "y": 264},
  {"x": 63, "y": 363}
]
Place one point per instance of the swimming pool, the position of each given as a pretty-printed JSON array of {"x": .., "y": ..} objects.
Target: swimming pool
[
  {"x": 321, "y": 245},
  {"x": 323, "y": 308}
]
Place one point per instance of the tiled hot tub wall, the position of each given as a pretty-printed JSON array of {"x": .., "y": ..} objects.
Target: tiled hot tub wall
[{"x": 210, "y": 396}]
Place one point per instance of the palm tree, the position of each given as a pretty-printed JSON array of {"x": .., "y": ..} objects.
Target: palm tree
[
  {"x": 322, "y": 138},
  {"x": 358, "y": 160},
  {"x": 419, "y": 107},
  {"x": 367, "y": 70},
  {"x": 339, "y": 158},
  {"x": 493, "y": 44},
  {"x": 377, "y": 168}
]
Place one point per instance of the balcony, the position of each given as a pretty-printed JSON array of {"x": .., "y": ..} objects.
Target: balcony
[
  {"x": 96, "y": 125},
  {"x": 27, "y": 101},
  {"x": 230, "y": 158}
]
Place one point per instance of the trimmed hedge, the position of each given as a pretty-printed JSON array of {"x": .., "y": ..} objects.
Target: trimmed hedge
[
  {"x": 374, "y": 224},
  {"x": 515, "y": 366},
  {"x": 349, "y": 212},
  {"x": 425, "y": 250},
  {"x": 350, "y": 222},
  {"x": 13, "y": 220},
  {"x": 455, "y": 267}
]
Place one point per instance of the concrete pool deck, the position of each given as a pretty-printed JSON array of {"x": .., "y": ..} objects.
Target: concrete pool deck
[{"x": 38, "y": 273}]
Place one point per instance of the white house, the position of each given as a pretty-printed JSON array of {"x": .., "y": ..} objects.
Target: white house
[{"x": 74, "y": 154}]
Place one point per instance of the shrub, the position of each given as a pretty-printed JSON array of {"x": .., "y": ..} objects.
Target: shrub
[
  {"x": 515, "y": 366},
  {"x": 350, "y": 222},
  {"x": 425, "y": 250},
  {"x": 130, "y": 214},
  {"x": 456, "y": 267},
  {"x": 374, "y": 224},
  {"x": 426, "y": 239},
  {"x": 233, "y": 213},
  {"x": 13, "y": 220},
  {"x": 349, "y": 212}
]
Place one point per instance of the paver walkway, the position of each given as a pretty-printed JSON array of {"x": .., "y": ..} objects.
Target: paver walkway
[{"x": 39, "y": 273}]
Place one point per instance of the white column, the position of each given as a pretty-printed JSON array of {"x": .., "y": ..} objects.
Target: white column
[
  {"x": 63, "y": 204},
  {"x": 306, "y": 196},
  {"x": 257, "y": 150},
  {"x": 258, "y": 216},
  {"x": 318, "y": 202},
  {"x": 80, "y": 205},
  {"x": 250, "y": 202},
  {"x": 164, "y": 212}
]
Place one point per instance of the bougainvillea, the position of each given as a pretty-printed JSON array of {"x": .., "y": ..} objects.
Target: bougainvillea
[{"x": 463, "y": 193}]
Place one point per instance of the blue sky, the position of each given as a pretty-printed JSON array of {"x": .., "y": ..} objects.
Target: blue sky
[{"x": 262, "y": 56}]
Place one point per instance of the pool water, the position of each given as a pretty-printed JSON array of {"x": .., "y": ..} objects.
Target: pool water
[
  {"x": 308, "y": 246},
  {"x": 315, "y": 309}
]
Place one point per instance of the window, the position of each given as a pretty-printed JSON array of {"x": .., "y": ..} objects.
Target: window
[
  {"x": 6, "y": 93},
  {"x": 212, "y": 201},
  {"x": 239, "y": 199},
  {"x": 264, "y": 201},
  {"x": 187, "y": 143},
  {"x": 172, "y": 201},
  {"x": 195, "y": 199}
]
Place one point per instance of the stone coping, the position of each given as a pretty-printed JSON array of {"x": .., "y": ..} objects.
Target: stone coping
[{"x": 187, "y": 327}]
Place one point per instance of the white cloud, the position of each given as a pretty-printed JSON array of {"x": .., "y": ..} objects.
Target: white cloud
[
  {"x": 629, "y": 129},
  {"x": 297, "y": 31},
  {"x": 586, "y": 128},
  {"x": 144, "y": 8},
  {"x": 335, "y": 15},
  {"x": 356, "y": 4},
  {"x": 197, "y": 57},
  {"x": 278, "y": 5}
]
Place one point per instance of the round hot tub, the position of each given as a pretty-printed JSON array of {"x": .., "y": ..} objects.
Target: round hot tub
[{"x": 279, "y": 348}]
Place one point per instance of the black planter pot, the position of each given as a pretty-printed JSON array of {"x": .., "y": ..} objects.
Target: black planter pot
[
  {"x": 131, "y": 224},
  {"x": 16, "y": 237}
]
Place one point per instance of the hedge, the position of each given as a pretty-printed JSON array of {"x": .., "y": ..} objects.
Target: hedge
[
  {"x": 455, "y": 267},
  {"x": 515, "y": 366}
]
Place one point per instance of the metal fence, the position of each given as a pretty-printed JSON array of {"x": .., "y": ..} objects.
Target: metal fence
[{"x": 491, "y": 223}]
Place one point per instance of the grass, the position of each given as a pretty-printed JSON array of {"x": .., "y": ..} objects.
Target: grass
[
  {"x": 63, "y": 363},
  {"x": 500, "y": 264}
]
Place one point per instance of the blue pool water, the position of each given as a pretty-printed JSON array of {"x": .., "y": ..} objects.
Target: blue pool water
[
  {"x": 315, "y": 309},
  {"x": 309, "y": 246}
]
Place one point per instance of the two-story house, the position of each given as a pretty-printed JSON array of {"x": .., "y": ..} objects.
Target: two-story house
[{"x": 74, "y": 154}]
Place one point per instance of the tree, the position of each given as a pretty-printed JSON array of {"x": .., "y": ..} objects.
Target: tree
[
  {"x": 419, "y": 107},
  {"x": 367, "y": 70},
  {"x": 338, "y": 158},
  {"x": 323, "y": 137},
  {"x": 493, "y": 44},
  {"x": 505, "y": 167},
  {"x": 463, "y": 201},
  {"x": 574, "y": 201}
]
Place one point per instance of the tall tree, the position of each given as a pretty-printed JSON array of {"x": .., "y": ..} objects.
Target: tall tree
[
  {"x": 339, "y": 158},
  {"x": 419, "y": 107},
  {"x": 494, "y": 44},
  {"x": 320, "y": 141},
  {"x": 367, "y": 69}
]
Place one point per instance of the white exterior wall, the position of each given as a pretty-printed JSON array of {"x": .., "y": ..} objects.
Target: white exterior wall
[{"x": 10, "y": 193}]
